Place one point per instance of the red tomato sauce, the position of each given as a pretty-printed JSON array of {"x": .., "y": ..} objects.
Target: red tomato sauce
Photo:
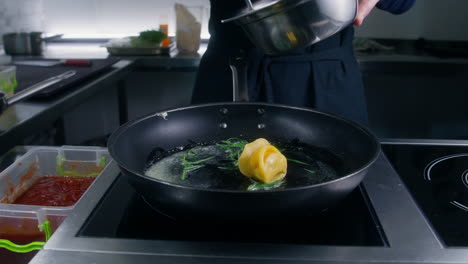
[{"x": 55, "y": 191}]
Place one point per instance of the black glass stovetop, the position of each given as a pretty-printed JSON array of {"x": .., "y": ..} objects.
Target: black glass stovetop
[
  {"x": 437, "y": 178},
  {"x": 122, "y": 213}
]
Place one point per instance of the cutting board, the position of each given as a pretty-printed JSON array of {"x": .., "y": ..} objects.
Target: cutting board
[{"x": 30, "y": 75}]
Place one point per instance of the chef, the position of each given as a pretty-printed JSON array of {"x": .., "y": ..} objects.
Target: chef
[{"x": 324, "y": 76}]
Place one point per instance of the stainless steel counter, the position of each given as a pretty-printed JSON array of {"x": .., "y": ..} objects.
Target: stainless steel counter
[
  {"x": 25, "y": 118},
  {"x": 410, "y": 236},
  {"x": 95, "y": 50}
]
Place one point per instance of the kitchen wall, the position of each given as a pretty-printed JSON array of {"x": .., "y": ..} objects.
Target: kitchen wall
[
  {"x": 431, "y": 19},
  {"x": 95, "y": 18},
  {"x": 446, "y": 19},
  {"x": 22, "y": 15},
  {"x": 381, "y": 24},
  {"x": 109, "y": 18}
]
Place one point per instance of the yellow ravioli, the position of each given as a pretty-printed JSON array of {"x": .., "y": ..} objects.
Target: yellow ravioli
[{"x": 262, "y": 161}]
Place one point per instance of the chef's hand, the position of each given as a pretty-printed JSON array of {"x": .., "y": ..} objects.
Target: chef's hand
[{"x": 364, "y": 8}]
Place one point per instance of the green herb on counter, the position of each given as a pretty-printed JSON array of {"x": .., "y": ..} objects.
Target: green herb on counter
[{"x": 148, "y": 38}]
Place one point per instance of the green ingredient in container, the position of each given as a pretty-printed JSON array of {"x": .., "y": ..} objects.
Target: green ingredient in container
[
  {"x": 60, "y": 160},
  {"x": 62, "y": 172},
  {"x": 148, "y": 38},
  {"x": 9, "y": 85},
  {"x": 102, "y": 162}
]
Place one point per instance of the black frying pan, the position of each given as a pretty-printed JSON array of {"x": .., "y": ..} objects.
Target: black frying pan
[{"x": 353, "y": 146}]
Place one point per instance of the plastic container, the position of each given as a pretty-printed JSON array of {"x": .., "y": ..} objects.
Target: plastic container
[
  {"x": 50, "y": 161},
  {"x": 19, "y": 223},
  {"x": 21, "y": 227},
  {"x": 8, "y": 81}
]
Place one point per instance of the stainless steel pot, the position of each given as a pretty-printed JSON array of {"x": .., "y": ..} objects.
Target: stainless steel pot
[
  {"x": 25, "y": 43},
  {"x": 17, "y": 43},
  {"x": 282, "y": 26}
]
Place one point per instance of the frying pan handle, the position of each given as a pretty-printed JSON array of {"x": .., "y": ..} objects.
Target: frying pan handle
[{"x": 238, "y": 66}]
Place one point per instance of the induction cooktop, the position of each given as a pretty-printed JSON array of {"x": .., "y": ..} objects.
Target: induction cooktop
[
  {"x": 410, "y": 208},
  {"x": 437, "y": 177},
  {"x": 353, "y": 222}
]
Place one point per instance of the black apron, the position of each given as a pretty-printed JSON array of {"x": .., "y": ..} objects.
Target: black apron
[{"x": 324, "y": 76}]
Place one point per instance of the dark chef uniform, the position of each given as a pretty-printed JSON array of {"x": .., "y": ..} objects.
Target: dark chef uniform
[{"x": 324, "y": 76}]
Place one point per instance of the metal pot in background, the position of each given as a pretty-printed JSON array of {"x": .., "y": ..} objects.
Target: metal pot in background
[
  {"x": 24, "y": 43},
  {"x": 37, "y": 43},
  {"x": 282, "y": 26},
  {"x": 17, "y": 43}
]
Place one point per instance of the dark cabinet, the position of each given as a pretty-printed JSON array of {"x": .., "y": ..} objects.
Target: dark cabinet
[{"x": 417, "y": 99}]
